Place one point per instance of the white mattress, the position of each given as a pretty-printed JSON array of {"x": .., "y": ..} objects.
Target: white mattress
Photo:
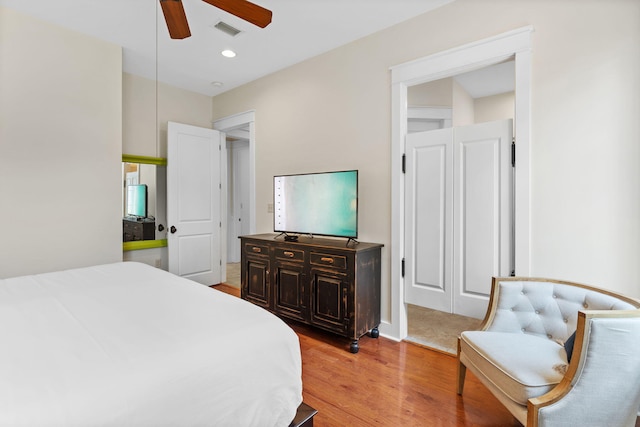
[{"x": 127, "y": 344}]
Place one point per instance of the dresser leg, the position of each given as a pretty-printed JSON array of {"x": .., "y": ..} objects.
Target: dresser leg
[
  {"x": 375, "y": 333},
  {"x": 354, "y": 347}
]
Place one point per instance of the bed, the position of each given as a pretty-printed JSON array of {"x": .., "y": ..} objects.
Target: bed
[{"x": 127, "y": 344}]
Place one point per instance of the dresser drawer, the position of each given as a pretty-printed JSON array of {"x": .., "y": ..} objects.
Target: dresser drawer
[
  {"x": 256, "y": 249},
  {"x": 328, "y": 260},
  {"x": 290, "y": 254}
]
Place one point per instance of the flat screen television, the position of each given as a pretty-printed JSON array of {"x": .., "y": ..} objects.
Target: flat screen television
[
  {"x": 323, "y": 203},
  {"x": 137, "y": 200}
]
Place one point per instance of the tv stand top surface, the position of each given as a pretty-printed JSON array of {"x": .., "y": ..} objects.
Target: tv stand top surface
[
  {"x": 333, "y": 243},
  {"x": 138, "y": 219}
]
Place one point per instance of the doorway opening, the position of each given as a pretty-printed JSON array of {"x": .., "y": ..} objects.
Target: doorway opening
[
  {"x": 458, "y": 200},
  {"x": 495, "y": 50},
  {"x": 238, "y": 156}
]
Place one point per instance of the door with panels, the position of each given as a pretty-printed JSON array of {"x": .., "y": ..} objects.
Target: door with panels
[
  {"x": 194, "y": 203},
  {"x": 458, "y": 215}
]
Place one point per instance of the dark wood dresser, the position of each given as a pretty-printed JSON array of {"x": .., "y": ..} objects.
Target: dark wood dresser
[
  {"x": 138, "y": 229},
  {"x": 322, "y": 282}
]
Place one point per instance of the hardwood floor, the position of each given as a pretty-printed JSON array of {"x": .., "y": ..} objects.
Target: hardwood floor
[{"x": 387, "y": 383}]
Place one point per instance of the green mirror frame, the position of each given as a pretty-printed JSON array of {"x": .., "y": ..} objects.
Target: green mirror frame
[{"x": 144, "y": 244}]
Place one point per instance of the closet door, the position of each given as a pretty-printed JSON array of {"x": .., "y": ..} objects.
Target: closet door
[
  {"x": 428, "y": 219},
  {"x": 458, "y": 216},
  {"x": 482, "y": 211}
]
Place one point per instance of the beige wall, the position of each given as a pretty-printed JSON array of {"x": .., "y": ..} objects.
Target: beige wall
[
  {"x": 495, "y": 107},
  {"x": 438, "y": 93},
  {"x": 333, "y": 112},
  {"x": 60, "y": 147},
  {"x": 463, "y": 113},
  {"x": 139, "y": 114},
  {"x": 466, "y": 110}
]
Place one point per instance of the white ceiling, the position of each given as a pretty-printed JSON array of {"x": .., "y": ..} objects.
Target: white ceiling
[{"x": 300, "y": 30}]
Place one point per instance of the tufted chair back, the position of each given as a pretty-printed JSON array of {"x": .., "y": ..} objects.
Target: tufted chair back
[{"x": 546, "y": 308}]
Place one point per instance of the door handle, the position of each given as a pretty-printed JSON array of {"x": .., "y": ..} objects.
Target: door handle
[{"x": 173, "y": 229}]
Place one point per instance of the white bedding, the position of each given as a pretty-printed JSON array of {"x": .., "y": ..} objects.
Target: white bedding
[{"x": 127, "y": 344}]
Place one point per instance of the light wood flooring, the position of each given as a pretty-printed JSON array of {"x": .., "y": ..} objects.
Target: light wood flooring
[
  {"x": 387, "y": 383},
  {"x": 390, "y": 383}
]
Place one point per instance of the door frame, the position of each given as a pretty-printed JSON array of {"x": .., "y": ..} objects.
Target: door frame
[
  {"x": 228, "y": 125},
  {"x": 513, "y": 44},
  {"x": 233, "y": 150},
  {"x": 443, "y": 115}
]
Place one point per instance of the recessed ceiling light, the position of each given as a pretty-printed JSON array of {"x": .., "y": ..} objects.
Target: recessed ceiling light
[
  {"x": 216, "y": 84},
  {"x": 228, "y": 53}
]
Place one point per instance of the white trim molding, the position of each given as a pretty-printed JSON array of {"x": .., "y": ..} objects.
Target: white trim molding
[
  {"x": 229, "y": 125},
  {"x": 515, "y": 44}
]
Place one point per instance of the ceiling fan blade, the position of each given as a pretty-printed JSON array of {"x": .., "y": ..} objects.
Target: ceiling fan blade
[
  {"x": 244, "y": 9},
  {"x": 175, "y": 18}
]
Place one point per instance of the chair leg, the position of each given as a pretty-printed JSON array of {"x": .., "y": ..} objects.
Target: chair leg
[{"x": 462, "y": 370}]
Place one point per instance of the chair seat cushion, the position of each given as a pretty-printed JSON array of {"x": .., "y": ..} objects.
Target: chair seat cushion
[{"x": 522, "y": 366}]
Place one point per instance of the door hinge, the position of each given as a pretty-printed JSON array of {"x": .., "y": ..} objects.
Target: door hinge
[
  {"x": 402, "y": 267},
  {"x": 404, "y": 163},
  {"x": 513, "y": 153}
]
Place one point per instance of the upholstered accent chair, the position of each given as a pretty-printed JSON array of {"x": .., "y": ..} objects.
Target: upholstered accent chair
[{"x": 522, "y": 353}]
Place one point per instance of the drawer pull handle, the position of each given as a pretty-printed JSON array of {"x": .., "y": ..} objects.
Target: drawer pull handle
[
  {"x": 289, "y": 254},
  {"x": 325, "y": 259},
  {"x": 256, "y": 249}
]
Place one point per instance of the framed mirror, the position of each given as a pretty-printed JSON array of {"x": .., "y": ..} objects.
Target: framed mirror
[{"x": 144, "y": 182}]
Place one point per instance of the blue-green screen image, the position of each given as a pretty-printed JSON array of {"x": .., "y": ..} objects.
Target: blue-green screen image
[
  {"x": 317, "y": 203},
  {"x": 137, "y": 200}
]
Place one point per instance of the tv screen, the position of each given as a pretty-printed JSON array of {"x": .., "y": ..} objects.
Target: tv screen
[
  {"x": 317, "y": 203},
  {"x": 137, "y": 200}
]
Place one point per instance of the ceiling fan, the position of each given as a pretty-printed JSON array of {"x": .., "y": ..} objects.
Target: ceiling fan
[{"x": 179, "y": 27}]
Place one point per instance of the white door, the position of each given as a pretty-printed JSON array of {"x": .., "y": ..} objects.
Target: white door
[
  {"x": 482, "y": 213},
  {"x": 428, "y": 214},
  {"x": 458, "y": 216},
  {"x": 194, "y": 203}
]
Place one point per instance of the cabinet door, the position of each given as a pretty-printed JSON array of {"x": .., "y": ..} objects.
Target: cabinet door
[
  {"x": 256, "y": 283},
  {"x": 330, "y": 300},
  {"x": 290, "y": 291}
]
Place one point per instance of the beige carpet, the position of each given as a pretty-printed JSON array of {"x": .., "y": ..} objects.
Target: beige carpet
[
  {"x": 436, "y": 329},
  {"x": 233, "y": 274}
]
